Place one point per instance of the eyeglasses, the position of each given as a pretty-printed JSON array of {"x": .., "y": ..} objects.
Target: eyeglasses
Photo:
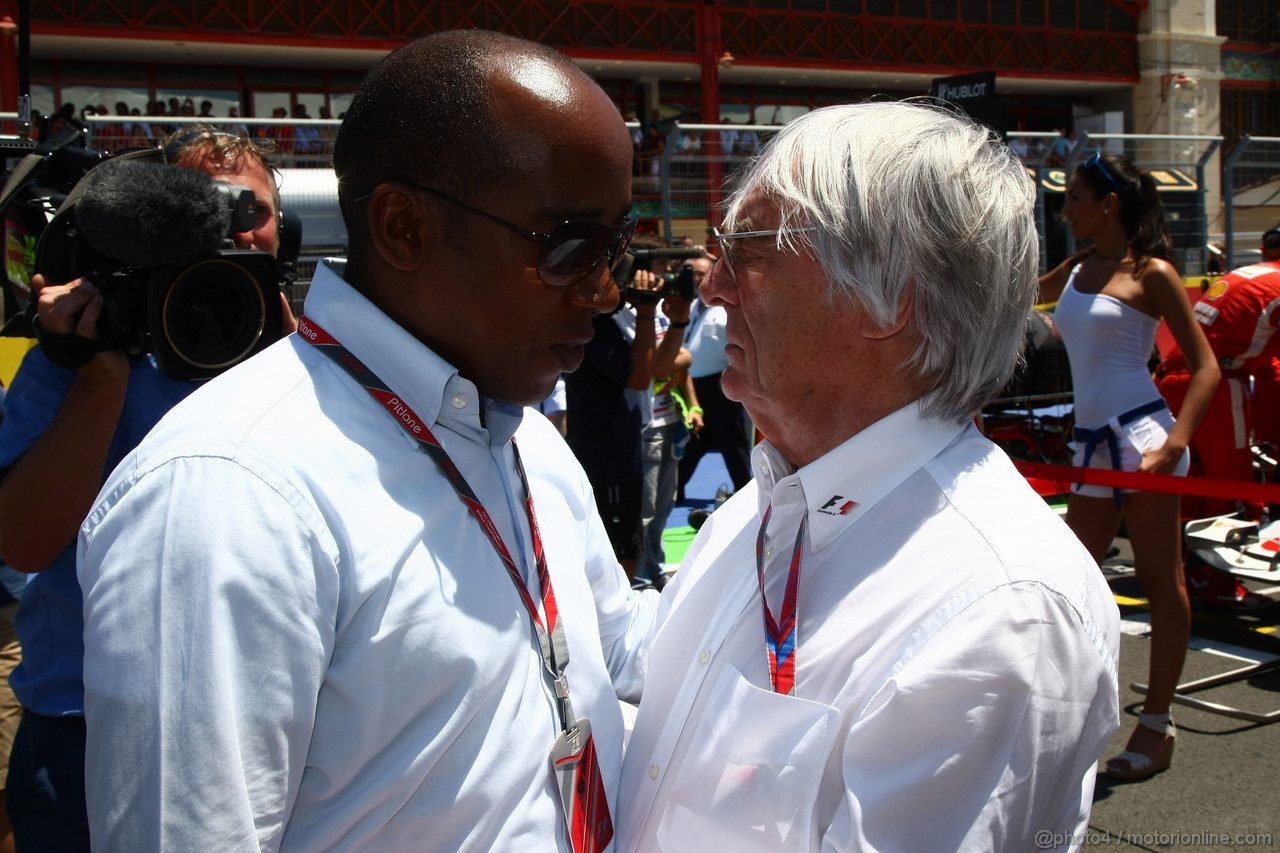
[
  {"x": 1095, "y": 161},
  {"x": 726, "y": 242},
  {"x": 569, "y": 251}
]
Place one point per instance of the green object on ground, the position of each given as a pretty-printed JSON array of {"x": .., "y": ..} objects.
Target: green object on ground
[{"x": 675, "y": 541}]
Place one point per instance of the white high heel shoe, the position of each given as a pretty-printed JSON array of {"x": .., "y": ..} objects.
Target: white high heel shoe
[{"x": 1134, "y": 766}]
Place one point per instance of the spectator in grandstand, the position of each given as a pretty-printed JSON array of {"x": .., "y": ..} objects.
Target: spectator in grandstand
[
  {"x": 142, "y": 136},
  {"x": 306, "y": 137},
  {"x": 1061, "y": 148},
  {"x": 925, "y": 657},
  {"x": 1111, "y": 298},
  {"x": 238, "y": 128},
  {"x": 326, "y": 133},
  {"x": 206, "y": 109},
  {"x": 724, "y": 422},
  {"x": 337, "y": 648},
  {"x": 728, "y": 138},
  {"x": 655, "y": 139},
  {"x": 281, "y": 134},
  {"x": 64, "y": 431}
]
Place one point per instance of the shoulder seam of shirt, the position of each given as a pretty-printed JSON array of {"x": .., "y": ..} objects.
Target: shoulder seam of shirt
[
  {"x": 981, "y": 587},
  {"x": 304, "y": 509}
]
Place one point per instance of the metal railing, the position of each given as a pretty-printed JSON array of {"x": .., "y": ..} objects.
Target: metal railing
[
  {"x": 680, "y": 182},
  {"x": 1250, "y": 197}
]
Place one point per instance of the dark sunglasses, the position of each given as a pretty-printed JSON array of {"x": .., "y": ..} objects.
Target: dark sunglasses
[
  {"x": 569, "y": 251},
  {"x": 1095, "y": 161}
]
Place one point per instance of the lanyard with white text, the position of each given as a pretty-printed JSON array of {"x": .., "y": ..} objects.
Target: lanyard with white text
[
  {"x": 780, "y": 638},
  {"x": 551, "y": 636}
]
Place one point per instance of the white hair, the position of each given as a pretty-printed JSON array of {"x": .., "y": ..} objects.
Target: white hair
[{"x": 910, "y": 198}]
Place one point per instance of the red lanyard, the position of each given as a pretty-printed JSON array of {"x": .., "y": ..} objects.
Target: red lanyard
[
  {"x": 780, "y": 637},
  {"x": 551, "y": 637}
]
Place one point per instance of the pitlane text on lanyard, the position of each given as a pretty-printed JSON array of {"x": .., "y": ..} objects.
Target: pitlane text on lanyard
[{"x": 574, "y": 762}]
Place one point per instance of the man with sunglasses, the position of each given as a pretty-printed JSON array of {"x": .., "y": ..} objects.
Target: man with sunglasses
[
  {"x": 66, "y": 430},
  {"x": 886, "y": 641},
  {"x": 388, "y": 616}
]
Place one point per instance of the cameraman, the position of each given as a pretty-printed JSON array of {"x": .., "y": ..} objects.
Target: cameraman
[
  {"x": 64, "y": 431},
  {"x": 610, "y": 405}
]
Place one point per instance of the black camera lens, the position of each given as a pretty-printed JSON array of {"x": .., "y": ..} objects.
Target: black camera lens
[{"x": 213, "y": 314}]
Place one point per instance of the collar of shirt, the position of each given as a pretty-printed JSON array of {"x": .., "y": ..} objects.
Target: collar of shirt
[
  {"x": 841, "y": 486},
  {"x": 426, "y": 382}
]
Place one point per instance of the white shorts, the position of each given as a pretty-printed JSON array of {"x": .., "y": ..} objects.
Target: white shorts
[{"x": 1148, "y": 432}]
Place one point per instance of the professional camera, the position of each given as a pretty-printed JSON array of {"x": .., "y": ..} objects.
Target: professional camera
[
  {"x": 156, "y": 241},
  {"x": 678, "y": 284}
]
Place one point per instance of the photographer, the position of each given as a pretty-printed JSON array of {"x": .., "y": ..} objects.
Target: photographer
[
  {"x": 610, "y": 405},
  {"x": 65, "y": 430}
]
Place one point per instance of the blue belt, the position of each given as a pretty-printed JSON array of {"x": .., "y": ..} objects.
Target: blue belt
[{"x": 1093, "y": 437}]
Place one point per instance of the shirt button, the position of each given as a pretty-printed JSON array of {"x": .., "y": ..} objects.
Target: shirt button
[
  {"x": 653, "y": 771},
  {"x": 459, "y": 401},
  {"x": 704, "y": 656},
  {"x": 768, "y": 553}
]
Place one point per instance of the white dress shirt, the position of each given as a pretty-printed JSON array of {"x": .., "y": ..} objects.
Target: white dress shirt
[
  {"x": 956, "y": 662},
  {"x": 297, "y": 636}
]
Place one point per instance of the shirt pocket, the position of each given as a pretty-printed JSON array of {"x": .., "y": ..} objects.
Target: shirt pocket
[{"x": 750, "y": 779}]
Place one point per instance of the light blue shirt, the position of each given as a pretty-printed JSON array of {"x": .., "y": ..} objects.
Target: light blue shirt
[{"x": 288, "y": 608}]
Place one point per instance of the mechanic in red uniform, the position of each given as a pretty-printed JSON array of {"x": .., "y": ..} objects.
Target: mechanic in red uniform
[{"x": 1239, "y": 314}]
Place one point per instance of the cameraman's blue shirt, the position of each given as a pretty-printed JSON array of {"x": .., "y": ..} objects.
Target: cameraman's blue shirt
[{"x": 50, "y": 622}]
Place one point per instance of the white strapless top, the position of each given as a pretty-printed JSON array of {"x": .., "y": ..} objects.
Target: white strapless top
[{"x": 1108, "y": 345}]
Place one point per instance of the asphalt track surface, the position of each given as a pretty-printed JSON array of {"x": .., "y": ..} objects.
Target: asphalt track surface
[{"x": 1223, "y": 790}]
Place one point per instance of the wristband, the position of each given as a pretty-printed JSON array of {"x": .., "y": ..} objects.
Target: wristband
[
  {"x": 675, "y": 325},
  {"x": 695, "y": 410}
]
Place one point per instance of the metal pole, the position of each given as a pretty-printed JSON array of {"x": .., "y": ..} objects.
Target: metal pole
[
  {"x": 1069, "y": 166},
  {"x": 1229, "y": 198},
  {"x": 664, "y": 179},
  {"x": 24, "y": 67},
  {"x": 1201, "y": 209}
]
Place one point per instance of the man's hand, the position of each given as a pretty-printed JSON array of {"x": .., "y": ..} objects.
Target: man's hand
[
  {"x": 72, "y": 451},
  {"x": 74, "y": 309},
  {"x": 645, "y": 281}
]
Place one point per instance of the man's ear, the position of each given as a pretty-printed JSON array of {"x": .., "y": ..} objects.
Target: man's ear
[
  {"x": 868, "y": 327},
  {"x": 398, "y": 226}
]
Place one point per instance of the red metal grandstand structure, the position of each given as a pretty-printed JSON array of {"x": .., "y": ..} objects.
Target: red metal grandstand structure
[{"x": 1047, "y": 39}]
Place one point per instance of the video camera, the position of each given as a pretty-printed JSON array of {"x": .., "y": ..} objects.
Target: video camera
[
  {"x": 679, "y": 284},
  {"x": 155, "y": 240}
]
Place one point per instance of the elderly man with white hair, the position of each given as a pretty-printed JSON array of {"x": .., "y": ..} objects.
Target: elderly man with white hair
[{"x": 886, "y": 641}]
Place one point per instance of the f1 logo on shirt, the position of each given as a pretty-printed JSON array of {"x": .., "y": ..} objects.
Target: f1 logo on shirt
[{"x": 829, "y": 508}]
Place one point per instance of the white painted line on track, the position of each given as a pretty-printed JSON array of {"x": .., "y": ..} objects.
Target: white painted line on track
[{"x": 1139, "y": 625}]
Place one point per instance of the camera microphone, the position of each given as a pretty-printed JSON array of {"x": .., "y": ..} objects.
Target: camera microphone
[{"x": 150, "y": 214}]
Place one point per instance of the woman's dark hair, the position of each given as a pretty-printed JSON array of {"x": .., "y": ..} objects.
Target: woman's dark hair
[{"x": 1141, "y": 211}]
